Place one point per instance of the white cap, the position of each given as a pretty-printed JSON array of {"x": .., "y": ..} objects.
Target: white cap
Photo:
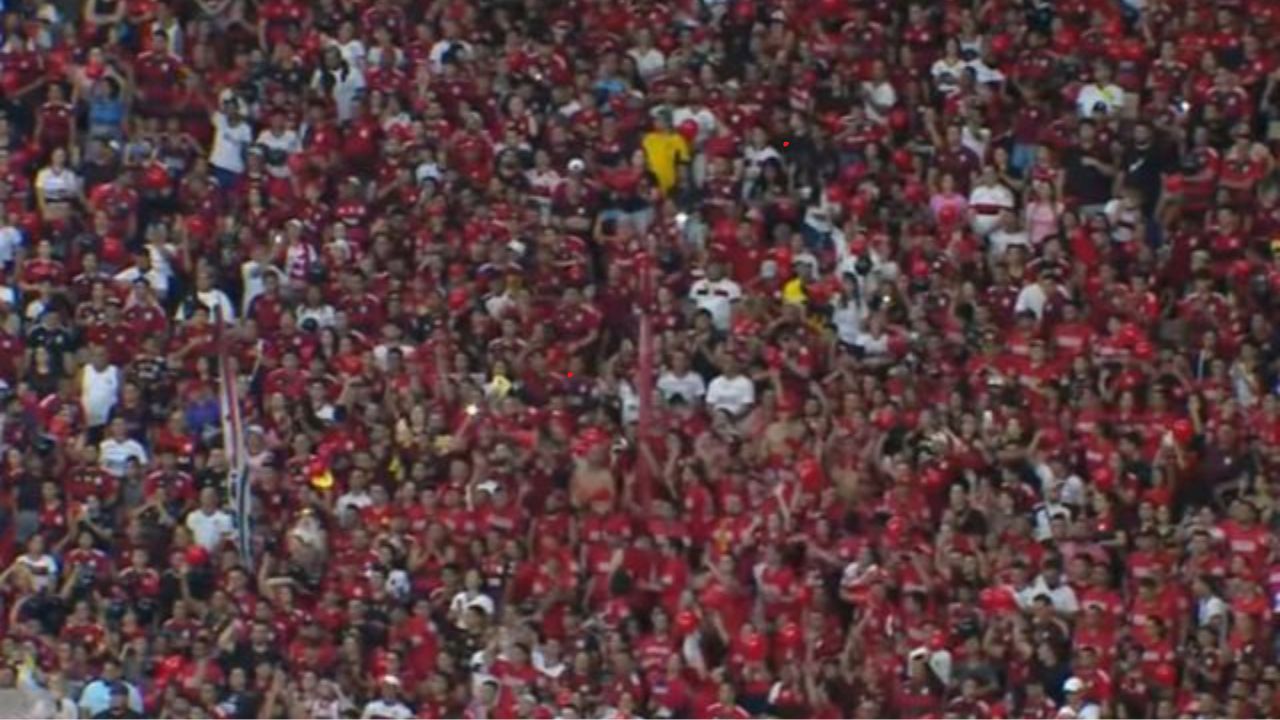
[
  {"x": 805, "y": 258},
  {"x": 576, "y": 165},
  {"x": 1073, "y": 685},
  {"x": 918, "y": 654}
]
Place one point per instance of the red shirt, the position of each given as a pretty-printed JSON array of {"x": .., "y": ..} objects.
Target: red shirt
[
  {"x": 727, "y": 712},
  {"x": 56, "y": 121}
]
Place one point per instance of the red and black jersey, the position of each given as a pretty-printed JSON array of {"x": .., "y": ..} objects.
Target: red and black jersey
[
  {"x": 156, "y": 76},
  {"x": 56, "y": 121}
]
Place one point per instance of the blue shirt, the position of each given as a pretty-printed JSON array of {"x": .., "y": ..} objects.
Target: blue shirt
[
  {"x": 96, "y": 697},
  {"x": 106, "y": 115}
]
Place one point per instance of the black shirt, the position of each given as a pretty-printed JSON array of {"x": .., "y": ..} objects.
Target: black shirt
[
  {"x": 1142, "y": 168},
  {"x": 1085, "y": 182},
  {"x": 58, "y": 341},
  {"x": 248, "y": 657}
]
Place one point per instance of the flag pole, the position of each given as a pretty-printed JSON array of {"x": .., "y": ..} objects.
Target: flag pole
[
  {"x": 644, "y": 378},
  {"x": 233, "y": 442}
]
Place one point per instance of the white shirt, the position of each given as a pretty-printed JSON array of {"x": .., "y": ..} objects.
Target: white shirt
[
  {"x": 1088, "y": 711},
  {"x": 1123, "y": 220},
  {"x": 157, "y": 280},
  {"x": 733, "y": 395},
  {"x": 229, "y": 143},
  {"x": 354, "y": 501},
  {"x": 47, "y": 707},
  {"x": 1031, "y": 298},
  {"x": 975, "y": 141},
  {"x": 985, "y": 74},
  {"x": 755, "y": 157},
  {"x": 442, "y": 48},
  {"x": 946, "y": 75},
  {"x": 353, "y": 52},
  {"x": 43, "y": 570},
  {"x": 847, "y": 317},
  {"x": 1063, "y": 598},
  {"x": 986, "y": 202},
  {"x": 324, "y": 315},
  {"x": 716, "y": 297},
  {"x": 1001, "y": 240},
  {"x": 1110, "y": 96},
  {"x": 1209, "y": 608},
  {"x": 58, "y": 185},
  {"x": 690, "y": 386},
  {"x": 162, "y": 255},
  {"x": 648, "y": 62},
  {"x": 209, "y": 530},
  {"x": 465, "y": 599},
  {"x": 286, "y": 142},
  {"x": 881, "y": 95},
  {"x": 990, "y": 199},
  {"x": 346, "y": 86},
  {"x": 873, "y": 344},
  {"x": 630, "y": 402},
  {"x": 387, "y": 710},
  {"x": 705, "y": 118},
  {"x": 115, "y": 454},
  {"x": 99, "y": 390},
  {"x": 213, "y": 299}
]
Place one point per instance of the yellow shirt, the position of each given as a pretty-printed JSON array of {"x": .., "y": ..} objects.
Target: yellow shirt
[
  {"x": 793, "y": 292},
  {"x": 663, "y": 151}
]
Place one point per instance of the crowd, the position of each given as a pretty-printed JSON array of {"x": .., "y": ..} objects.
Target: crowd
[{"x": 966, "y": 349}]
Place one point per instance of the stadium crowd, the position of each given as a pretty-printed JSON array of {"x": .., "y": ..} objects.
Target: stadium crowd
[{"x": 966, "y": 345}]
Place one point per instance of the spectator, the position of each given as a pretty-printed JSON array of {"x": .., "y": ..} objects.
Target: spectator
[
  {"x": 208, "y": 523},
  {"x": 988, "y": 199},
  {"x": 119, "y": 706},
  {"x": 57, "y": 187},
  {"x": 665, "y": 150},
  {"x": 231, "y": 138},
  {"x": 108, "y": 695},
  {"x": 1101, "y": 96},
  {"x": 99, "y": 388},
  {"x": 961, "y": 319},
  {"x": 680, "y": 381},
  {"x": 731, "y": 391},
  {"x": 117, "y": 451}
]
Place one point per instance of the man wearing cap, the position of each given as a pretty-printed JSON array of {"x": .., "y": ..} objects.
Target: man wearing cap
[
  {"x": 109, "y": 692},
  {"x": 1077, "y": 707},
  {"x": 921, "y": 693},
  {"x": 387, "y": 706},
  {"x": 118, "y": 706}
]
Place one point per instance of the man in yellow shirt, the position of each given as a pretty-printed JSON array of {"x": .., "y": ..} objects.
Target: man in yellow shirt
[{"x": 664, "y": 151}]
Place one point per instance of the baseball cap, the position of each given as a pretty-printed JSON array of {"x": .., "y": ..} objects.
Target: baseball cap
[{"x": 1073, "y": 685}]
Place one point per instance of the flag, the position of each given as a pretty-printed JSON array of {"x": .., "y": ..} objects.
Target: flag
[{"x": 233, "y": 445}]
